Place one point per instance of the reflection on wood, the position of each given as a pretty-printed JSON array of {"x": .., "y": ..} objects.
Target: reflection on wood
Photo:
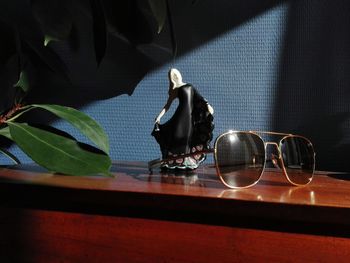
[{"x": 190, "y": 217}]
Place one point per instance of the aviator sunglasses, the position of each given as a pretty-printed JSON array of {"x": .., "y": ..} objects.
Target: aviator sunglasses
[{"x": 240, "y": 158}]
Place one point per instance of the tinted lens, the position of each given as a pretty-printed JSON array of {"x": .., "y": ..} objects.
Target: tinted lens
[
  {"x": 299, "y": 159},
  {"x": 240, "y": 158}
]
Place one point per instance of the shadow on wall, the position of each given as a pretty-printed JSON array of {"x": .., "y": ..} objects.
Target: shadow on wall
[
  {"x": 314, "y": 87},
  {"x": 125, "y": 65}
]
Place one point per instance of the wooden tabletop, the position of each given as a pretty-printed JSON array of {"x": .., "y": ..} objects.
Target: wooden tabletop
[{"x": 189, "y": 195}]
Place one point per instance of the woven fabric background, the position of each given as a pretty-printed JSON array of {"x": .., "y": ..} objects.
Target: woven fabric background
[
  {"x": 235, "y": 72},
  {"x": 285, "y": 68}
]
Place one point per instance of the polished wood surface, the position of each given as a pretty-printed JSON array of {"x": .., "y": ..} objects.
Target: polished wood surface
[
  {"x": 50, "y": 236},
  {"x": 327, "y": 191},
  {"x": 193, "y": 217},
  {"x": 327, "y": 188}
]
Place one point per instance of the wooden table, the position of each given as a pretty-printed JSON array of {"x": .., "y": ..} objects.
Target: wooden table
[{"x": 137, "y": 217}]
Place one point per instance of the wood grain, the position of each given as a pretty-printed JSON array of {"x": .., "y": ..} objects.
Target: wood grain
[
  {"x": 134, "y": 177},
  {"x": 137, "y": 217},
  {"x": 50, "y": 236}
]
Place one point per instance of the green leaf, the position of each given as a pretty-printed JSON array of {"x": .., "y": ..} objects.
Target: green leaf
[
  {"x": 5, "y": 132},
  {"x": 10, "y": 57},
  {"x": 159, "y": 11},
  {"x": 49, "y": 57},
  {"x": 85, "y": 124},
  {"x": 55, "y": 17},
  {"x": 57, "y": 153},
  {"x": 48, "y": 39},
  {"x": 23, "y": 81},
  {"x": 10, "y": 156}
]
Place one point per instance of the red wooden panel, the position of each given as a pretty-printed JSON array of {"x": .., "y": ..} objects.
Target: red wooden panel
[{"x": 44, "y": 236}]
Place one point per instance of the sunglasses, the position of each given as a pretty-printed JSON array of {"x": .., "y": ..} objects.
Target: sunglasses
[{"x": 240, "y": 158}]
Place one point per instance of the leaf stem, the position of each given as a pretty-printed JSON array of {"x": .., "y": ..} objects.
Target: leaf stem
[{"x": 23, "y": 110}]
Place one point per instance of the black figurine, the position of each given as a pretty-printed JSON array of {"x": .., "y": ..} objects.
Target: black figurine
[{"x": 189, "y": 130}]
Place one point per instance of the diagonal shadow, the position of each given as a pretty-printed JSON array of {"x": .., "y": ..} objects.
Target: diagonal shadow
[{"x": 125, "y": 65}]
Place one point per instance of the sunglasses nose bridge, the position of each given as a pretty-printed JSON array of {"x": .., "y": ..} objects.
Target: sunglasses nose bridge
[
  {"x": 272, "y": 144},
  {"x": 276, "y": 160}
]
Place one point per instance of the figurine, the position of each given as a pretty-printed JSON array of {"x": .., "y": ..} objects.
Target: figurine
[{"x": 190, "y": 128}]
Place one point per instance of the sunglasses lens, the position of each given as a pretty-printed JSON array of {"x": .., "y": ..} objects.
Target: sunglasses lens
[
  {"x": 240, "y": 158},
  {"x": 299, "y": 159}
]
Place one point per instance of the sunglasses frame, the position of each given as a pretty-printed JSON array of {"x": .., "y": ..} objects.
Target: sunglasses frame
[
  {"x": 280, "y": 158},
  {"x": 158, "y": 162}
]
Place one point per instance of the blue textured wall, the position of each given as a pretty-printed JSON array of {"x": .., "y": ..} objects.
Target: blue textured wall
[
  {"x": 236, "y": 72},
  {"x": 262, "y": 64}
]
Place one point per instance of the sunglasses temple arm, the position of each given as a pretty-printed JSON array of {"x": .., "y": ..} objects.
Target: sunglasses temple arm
[
  {"x": 154, "y": 164},
  {"x": 158, "y": 162}
]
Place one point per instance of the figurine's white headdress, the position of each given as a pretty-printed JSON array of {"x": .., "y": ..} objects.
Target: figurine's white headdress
[{"x": 175, "y": 78}]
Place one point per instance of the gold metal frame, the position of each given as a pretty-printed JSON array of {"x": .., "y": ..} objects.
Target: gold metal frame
[
  {"x": 278, "y": 146},
  {"x": 156, "y": 163}
]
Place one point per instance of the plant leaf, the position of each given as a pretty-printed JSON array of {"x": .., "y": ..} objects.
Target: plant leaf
[
  {"x": 48, "y": 39},
  {"x": 85, "y": 124},
  {"x": 10, "y": 156},
  {"x": 10, "y": 55},
  {"x": 5, "y": 132},
  {"x": 23, "y": 81},
  {"x": 49, "y": 57},
  {"x": 131, "y": 19},
  {"x": 159, "y": 11},
  {"x": 7, "y": 43},
  {"x": 99, "y": 29},
  {"x": 171, "y": 29},
  {"x": 57, "y": 153},
  {"x": 55, "y": 17}
]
